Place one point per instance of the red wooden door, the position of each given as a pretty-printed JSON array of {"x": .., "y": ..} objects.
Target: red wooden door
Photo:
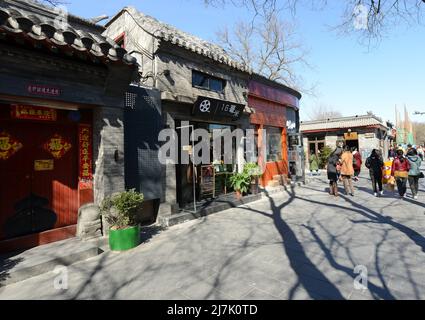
[{"x": 39, "y": 181}]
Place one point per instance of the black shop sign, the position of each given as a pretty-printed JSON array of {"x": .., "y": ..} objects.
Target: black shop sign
[{"x": 209, "y": 108}]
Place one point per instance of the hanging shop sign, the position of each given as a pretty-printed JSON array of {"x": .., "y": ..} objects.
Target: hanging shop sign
[
  {"x": 212, "y": 108},
  {"x": 57, "y": 146},
  {"x": 42, "y": 90},
  {"x": 8, "y": 146},
  {"x": 85, "y": 157},
  {"x": 291, "y": 121},
  {"x": 33, "y": 113},
  {"x": 351, "y": 136}
]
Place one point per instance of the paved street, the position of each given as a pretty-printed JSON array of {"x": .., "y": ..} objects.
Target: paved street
[{"x": 303, "y": 244}]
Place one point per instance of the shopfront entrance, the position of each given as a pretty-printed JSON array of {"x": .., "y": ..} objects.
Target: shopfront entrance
[
  {"x": 38, "y": 171},
  {"x": 351, "y": 140},
  {"x": 211, "y": 179}
]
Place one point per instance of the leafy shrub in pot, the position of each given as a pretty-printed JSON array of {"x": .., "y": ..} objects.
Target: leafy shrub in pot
[{"x": 121, "y": 210}]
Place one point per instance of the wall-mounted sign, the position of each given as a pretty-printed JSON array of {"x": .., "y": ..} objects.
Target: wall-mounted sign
[
  {"x": 212, "y": 108},
  {"x": 85, "y": 158},
  {"x": 291, "y": 121},
  {"x": 19, "y": 111},
  {"x": 291, "y": 125},
  {"x": 369, "y": 135},
  {"x": 43, "y": 90},
  {"x": 351, "y": 136},
  {"x": 44, "y": 165}
]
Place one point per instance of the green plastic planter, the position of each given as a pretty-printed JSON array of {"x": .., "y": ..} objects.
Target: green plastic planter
[{"x": 125, "y": 239}]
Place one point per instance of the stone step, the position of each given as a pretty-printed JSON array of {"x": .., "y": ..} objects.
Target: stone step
[
  {"x": 36, "y": 261},
  {"x": 220, "y": 205}
]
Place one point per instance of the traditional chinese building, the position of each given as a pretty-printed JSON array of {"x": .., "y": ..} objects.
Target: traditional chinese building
[
  {"x": 62, "y": 90},
  {"x": 364, "y": 132},
  {"x": 198, "y": 86}
]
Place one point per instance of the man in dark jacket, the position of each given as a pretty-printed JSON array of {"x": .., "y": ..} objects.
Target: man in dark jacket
[
  {"x": 375, "y": 165},
  {"x": 332, "y": 172}
]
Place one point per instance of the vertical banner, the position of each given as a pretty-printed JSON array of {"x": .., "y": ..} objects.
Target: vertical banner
[{"x": 85, "y": 157}]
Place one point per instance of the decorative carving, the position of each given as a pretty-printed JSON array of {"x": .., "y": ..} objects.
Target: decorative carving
[
  {"x": 8, "y": 146},
  {"x": 57, "y": 146}
]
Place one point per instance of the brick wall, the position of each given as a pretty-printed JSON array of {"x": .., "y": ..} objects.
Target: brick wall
[{"x": 108, "y": 136}]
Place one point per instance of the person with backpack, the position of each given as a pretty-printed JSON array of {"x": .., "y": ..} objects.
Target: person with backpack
[
  {"x": 400, "y": 171},
  {"x": 375, "y": 164},
  {"x": 414, "y": 172},
  {"x": 357, "y": 164},
  {"x": 347, "y": 170},
  {"x": 333, "y": 162}
]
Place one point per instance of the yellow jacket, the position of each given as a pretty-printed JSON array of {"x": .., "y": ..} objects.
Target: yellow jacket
[{"x": 347, "y": 164}]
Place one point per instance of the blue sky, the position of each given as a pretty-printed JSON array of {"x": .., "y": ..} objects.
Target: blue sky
[{"x": 350, "y": 77}]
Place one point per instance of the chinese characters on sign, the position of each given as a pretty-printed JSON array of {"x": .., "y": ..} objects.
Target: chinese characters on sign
[
  {"x": 8, "y": 146},
  {"x": 43, "y": 90},
  {"x": 33, "y": 113},
  {"x": 86, "y": 167},
  {"x": 210, "y": 108},
  {"x": 57, "y": 146},
  {"x": 44, "y": 165}
]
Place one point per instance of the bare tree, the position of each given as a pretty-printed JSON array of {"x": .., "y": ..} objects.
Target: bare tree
[
  {"x": 369, "y": 18},
  {"x": 264, "y": 8},
  {"x": 323, "y": 112},
  {"x": 270, "y": 48},
  {"x": 53, "y": 2}
]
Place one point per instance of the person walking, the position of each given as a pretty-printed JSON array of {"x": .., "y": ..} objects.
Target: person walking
[
  {"x": 421, "y": 152},
  {"x": 357, "y": 164},
  {"x": 347, "y": 170},
  {"x": 391, "y": 153},
  {"x": 375, "y": 164},
  {"x": 314, "y": 163},
  {"x": 333, "y": 162},
  {"x": 400, "y": 171},
  {"x": 414, "y": 172}
]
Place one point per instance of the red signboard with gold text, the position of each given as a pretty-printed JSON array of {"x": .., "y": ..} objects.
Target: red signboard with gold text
[
  {"x": 33, "y": 113},
  {"x": 86, "y": 166}
]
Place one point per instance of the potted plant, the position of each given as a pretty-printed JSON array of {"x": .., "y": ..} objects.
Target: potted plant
[
  {"x": 121, "y": 212},
  {"x": 240, "y": 183},
  {"x": 255, "y": 172}
]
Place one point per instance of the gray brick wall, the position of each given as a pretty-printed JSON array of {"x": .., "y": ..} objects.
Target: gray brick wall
[{"x": 108, "y": 136}]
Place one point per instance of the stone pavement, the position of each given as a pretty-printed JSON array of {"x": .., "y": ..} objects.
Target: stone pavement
[{"x": 300, "y": 244}]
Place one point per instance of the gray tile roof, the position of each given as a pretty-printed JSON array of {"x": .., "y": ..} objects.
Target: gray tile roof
[
  {"x": 341, "y": 123},
  {"x": 180, "y": 38},
  {"x": 29, "y": 21}
]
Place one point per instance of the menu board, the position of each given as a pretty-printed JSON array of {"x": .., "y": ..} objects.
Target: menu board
[{"x": 207, "y": 183}]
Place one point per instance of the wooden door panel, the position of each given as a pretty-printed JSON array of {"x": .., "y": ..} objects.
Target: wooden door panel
[{"x": 47, "y": 199}]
